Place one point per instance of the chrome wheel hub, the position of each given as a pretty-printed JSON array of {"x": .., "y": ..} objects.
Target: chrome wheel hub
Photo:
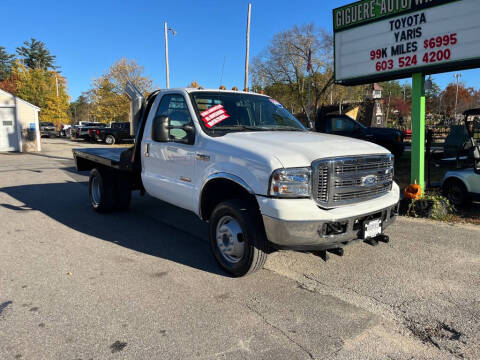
[{"x": 230, "y": 239}]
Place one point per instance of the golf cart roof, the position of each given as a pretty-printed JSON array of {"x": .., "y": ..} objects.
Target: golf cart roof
[{"x": 471, "y": 112}]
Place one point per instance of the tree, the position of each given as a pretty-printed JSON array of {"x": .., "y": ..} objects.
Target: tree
[
  {"x": 466, "y": 99},
  {"x": 10, "y": 84},
  {"x": 397, "y": 90},
  {"x": 283, "y": 65},
  {"x": 35, "y": 55},
  {"x": 39, "y": 87},
  {"x": 107, "y": 96},
  {"x": 5, "y": 64},
  {"x": 80, "y": 109}
]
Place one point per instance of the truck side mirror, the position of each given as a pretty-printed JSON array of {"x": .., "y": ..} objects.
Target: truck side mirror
[
  {"x": 190, "y": 130},
  {"x": 160, "y": 129}
]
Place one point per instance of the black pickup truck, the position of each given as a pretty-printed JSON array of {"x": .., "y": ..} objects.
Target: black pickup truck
[
  {"x": 340, "y": 124},
  {"x": 115, "y": 133}
]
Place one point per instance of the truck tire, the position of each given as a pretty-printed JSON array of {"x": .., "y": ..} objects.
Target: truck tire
[
  {"x": 110, "y": 140},
  {"x": 237, "y": 237},
  {"x": 455, "y": 191},
  {"x": 101, "y": 190}
]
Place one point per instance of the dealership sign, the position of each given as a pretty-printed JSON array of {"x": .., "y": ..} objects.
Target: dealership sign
[{"x": 379, "y": 40}]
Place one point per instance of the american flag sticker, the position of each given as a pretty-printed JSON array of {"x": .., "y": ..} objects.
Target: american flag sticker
[{"x": 214, "y": 115}]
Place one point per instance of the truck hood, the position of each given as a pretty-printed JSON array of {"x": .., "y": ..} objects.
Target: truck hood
[{"x": 296, "y": 149}]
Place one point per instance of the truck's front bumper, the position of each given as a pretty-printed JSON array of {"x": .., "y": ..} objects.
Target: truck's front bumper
[
  {"x": 317, "y": 235},
  {"x": 301, "y": 224}
]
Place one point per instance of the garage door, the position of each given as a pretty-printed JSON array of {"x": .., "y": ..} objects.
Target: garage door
[{"x": 8, "y": 130}]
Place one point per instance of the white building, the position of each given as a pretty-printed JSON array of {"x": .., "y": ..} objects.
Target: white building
[{"x": 19, "y": 127}]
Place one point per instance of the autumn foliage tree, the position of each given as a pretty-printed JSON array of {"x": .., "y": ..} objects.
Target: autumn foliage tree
[
  {"x": 467, "y": 98},
  {"x": 39, "y": 87},
  {"x": 34, "y": 78},
  {"x": 107, "y": 96}
]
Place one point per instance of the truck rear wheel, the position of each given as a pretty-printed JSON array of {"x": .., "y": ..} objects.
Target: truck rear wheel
[
  {"x": 237, "y": 237},
  {"x": 110, "y": 140},
  {"x": 101, "y": 190}
]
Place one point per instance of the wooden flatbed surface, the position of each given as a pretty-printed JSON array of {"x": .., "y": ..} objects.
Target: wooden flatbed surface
[{"x": 111, "y": 157}]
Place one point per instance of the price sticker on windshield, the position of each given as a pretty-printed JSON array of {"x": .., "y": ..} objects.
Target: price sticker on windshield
[
  {"x": 276, "y": 103},
  {"x": 214, "y": 115}
]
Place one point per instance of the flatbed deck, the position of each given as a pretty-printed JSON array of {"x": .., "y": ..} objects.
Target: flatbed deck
[{"x": 117, "y": 158}]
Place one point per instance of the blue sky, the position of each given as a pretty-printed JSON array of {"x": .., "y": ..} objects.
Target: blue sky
[{"x": 89, "y": 36}]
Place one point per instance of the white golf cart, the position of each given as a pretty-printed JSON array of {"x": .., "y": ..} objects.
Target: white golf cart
[{"x": 462, "y": 184}]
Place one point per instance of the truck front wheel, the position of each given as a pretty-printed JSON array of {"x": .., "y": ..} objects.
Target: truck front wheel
[
  {"x": 101, "y": 191},
  {"x": 237, "y": 237}
]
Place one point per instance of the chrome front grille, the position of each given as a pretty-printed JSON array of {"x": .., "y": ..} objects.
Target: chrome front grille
[
  {"x": 322, "y": 182},
  {"x": 344, "y": 181},
  {"x": 363, "y": 164}
]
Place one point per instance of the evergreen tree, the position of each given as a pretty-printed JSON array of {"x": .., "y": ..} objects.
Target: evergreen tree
[
  {"x": 35, "y": 55},
  {"x": 5, "y": 64}
]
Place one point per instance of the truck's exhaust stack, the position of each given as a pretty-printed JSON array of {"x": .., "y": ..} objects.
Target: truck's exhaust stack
[{"x": 136, "y": 103}]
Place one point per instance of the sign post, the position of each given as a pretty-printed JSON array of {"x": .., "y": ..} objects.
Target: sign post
[{"x": 418, "y": 130}]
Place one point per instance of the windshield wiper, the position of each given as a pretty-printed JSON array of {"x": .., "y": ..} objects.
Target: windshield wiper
[
  {"x": 279, "y": 128},
  {"x": 255, "y": 128}
]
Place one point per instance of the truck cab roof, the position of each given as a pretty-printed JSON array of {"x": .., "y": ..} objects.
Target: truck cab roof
[{"x": 192, "y": 90}]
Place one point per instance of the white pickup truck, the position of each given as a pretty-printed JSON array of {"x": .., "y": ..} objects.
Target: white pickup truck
[{"x": 244, "y": 164}]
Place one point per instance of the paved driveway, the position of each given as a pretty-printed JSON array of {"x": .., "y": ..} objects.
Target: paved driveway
[{"x": 144, "y": 285}]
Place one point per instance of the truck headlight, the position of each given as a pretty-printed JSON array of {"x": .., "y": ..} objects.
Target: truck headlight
[{"x": 291, "y": 183}]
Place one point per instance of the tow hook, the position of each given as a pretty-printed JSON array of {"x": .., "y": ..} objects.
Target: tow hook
[
  {"x": 323, "y": 254},
  {"x": 383, "y": 238},
  {"x": 374, "y": 241},
  {"x": 337, "y": 251}
]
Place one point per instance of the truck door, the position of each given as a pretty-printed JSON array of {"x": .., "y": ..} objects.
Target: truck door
[{"x": 168, "y": 167}]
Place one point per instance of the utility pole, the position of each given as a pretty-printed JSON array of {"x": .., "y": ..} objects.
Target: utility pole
[
  {"x": 248, "y": 46},
  {"x": 56, "y": 86},
  {"x": 388, "y": 107},
  {"x": 166, "y": 56},
  {"x": 167, "y": 68},
  {"x": 456, "y": 76}
]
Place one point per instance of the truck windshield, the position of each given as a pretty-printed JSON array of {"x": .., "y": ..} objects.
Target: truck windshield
[{"x": 221, "y": 112}]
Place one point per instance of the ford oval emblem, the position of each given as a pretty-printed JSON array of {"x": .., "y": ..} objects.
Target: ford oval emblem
[{"x": 369, "y": 180}]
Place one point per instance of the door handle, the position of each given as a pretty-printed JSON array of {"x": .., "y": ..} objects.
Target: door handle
[
  {"x": 172, "y": 148},
  {"x": 147, "y": 150}
]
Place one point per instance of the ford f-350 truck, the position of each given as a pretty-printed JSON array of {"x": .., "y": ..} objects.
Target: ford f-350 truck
[{"x": 244, "y": 164}]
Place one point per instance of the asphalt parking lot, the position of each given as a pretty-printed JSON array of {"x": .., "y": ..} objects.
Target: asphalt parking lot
[{"x": 144, "y": 284}]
